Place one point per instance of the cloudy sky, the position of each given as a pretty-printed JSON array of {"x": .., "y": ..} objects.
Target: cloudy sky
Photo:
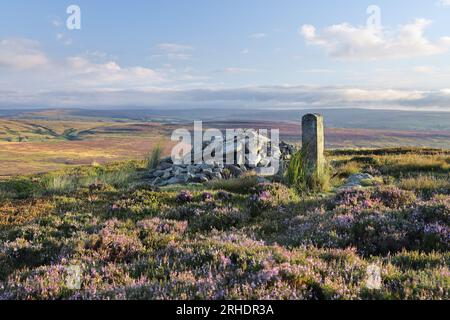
[{"x": 227, "y": 53}]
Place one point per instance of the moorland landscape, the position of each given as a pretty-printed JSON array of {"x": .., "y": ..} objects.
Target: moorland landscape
[
  {"x": 234, "y": 238},
  {"x": 229, "y": 152}
]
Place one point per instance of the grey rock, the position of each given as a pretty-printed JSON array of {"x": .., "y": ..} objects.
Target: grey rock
[
  {"x": 167, "y": 174},
  {"x": 217, "y": 175},
  {"x": 235, "y": 171},
  {"x": 356, "y": 180},
  {"x": 156, "y": 181},
  {"x": 158, "y": 173},
  {"x": 176, "y": 180},
  {"x": 199, "y": 178},
  {"x": 165, "y": 166}
]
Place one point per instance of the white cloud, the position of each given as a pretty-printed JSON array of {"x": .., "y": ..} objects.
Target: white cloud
[
  {"x": 25, "y": 67},
  {"x": 174, "y": 47},
  {"x": 317, "y": 71},
  {"x": 443, "y": 3},
  {"x": 21, "y": 54},
  {"x": 173, "y": 51},
  {"x": 237, "y": 70},
  {"x": 423, "y": 69},
  {"x": 274, "y": 97},
  {"x": 345, "y": 41},
  {"x": 259, "y": 35}
]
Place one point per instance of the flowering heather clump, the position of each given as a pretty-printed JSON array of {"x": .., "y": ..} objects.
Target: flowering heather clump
[
  {"x": 163, "y": 226},
  {"x": 395, "y": 198},
  {"x": 140, "y": 202},
  {"x": 185, "y": 197},
  {"x": 116, "y": 243},
  {"x": 259, "y": 202},
  {"x": 279, "y": 193},
  {"x": 382, "y": 197},
  {"x": 206, "y": 196},
  {"x": 220, "y": 218},
  {"x": 352, "y": 198},
  {"x": 224, "y": 196},
  {"x": 437, "y": 209},
  {"x": 436, "y": 237}
]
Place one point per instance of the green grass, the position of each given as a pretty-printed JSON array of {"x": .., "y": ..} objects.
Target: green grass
[
  {"x": 154, "y": 157},
  {"x": 298, "y": 177}
]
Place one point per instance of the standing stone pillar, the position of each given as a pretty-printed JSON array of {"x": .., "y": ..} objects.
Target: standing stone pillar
[{"x": 313, "y": 144}]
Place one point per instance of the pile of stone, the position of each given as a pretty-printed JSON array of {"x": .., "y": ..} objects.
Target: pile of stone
[
  {"x": 168, "y": 173},
  {"x": 287, "y": 151}
]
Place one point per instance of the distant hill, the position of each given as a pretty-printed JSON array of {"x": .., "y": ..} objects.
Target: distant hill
[{"x": 335, "y": 118}]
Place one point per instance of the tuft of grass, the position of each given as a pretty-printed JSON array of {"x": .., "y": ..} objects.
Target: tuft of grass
[
  {"x": 154, "y": 157},
  {"x": 120, "y": 177},
  {"x": 297, "y": 177},
  {"x": 59, "y": 183},
  {"x": 241, "y": 185}
]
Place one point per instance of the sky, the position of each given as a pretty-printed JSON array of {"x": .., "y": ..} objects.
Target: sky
[{"x": 390, "y": 54}]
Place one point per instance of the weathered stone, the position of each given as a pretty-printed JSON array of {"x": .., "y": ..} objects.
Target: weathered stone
[
  {"x": 156, "y": 182},
  {"x": 234, "y": 170},
  {"x": 176, "y": 180},
  {"x": 313, "y": 144},
  {"x": 158, "y": 173},
  {"x": 167, "y": 174},
  {"x": 357, "y": 180},
  {"x": 217, "y": 175},
  {"x": 165, "y": 166},
  {"x": 199, "y": 178}
]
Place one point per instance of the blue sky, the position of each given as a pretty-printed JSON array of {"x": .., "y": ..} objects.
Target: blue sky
[{"x": 252, "y": 53}]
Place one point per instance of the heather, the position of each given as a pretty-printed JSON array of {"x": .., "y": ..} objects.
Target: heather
[{"x": 230, "y": 240}]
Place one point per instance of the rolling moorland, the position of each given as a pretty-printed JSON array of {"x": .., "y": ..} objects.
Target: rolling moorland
[
  {"x": 37, "y": 141},
  {"x": 88, "y": 202}
]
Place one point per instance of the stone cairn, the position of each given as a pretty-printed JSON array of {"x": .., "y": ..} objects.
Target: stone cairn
[{"x": 168, "y": 173}]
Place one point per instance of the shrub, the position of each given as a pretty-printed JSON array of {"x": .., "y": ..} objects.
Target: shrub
[
  {"x": 184, "y": 197},
  {"x": 116, "y": 243},
  {"x": 154, "y": 158},
  {"x": 218, "y": 218},
  {"x": 206, "y": 196},
  {"x": 224, "y": 196},
  {"x": 394, "y": 197},
  {"x": 259, "y": 201},
  {"x": 20, "y": 188}
]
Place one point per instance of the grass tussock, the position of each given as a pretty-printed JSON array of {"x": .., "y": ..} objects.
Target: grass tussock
[
  {"x": 297, "y": 176},
  {"x": 154, "y": 157}
]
